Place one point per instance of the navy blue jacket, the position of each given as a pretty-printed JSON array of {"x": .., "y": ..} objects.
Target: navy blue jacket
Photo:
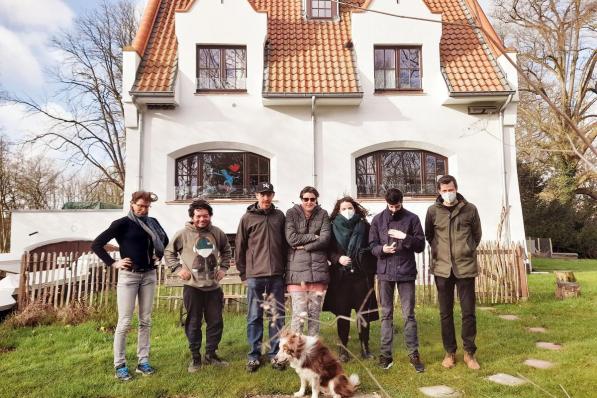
[{"x": 400, "y": 266}]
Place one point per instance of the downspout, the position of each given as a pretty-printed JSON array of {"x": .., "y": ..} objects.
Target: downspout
[
  {"x": 141, "y": 144},
  {"x": 504, "y": 149},
  {"x": 314, "y": 127}
]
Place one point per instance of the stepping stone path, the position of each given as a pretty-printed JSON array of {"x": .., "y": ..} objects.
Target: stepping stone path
[
  {"x": 537, "y": 330},
  {"x": 506, "y": 380},
  {"x": 509, "y": 317},
  {"x": 439, "y": 392},
  {"x": 486, "y": 308},
  {"x": 549, "y": 346},
  {"x": 539, "y": 364}
]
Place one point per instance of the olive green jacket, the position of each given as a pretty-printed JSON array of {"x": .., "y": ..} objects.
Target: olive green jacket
[{"x": 453, "y": 238}]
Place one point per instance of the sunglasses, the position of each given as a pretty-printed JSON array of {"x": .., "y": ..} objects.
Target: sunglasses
[{"x": 309, "y": 200}]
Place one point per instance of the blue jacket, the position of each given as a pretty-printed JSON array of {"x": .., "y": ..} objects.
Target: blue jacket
[{"x": 400, "y": 266}]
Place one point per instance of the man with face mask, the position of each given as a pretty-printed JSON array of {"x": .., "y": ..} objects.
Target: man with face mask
[
  {"x": 453, "y": 230},
  {"x": 395, "y": 236},
  {"x": 200, "y": 255}
]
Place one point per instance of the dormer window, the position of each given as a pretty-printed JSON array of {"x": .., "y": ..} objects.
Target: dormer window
[{"x": 322, "y": 9}]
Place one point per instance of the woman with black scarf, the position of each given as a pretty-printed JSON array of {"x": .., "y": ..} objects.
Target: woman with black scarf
[{"x": 352, "y": 274}]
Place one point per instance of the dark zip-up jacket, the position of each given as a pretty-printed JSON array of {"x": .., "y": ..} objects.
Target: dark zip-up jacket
[
  {"x": 400, "y": 266},
  {"x": 309, "y": 264},
  {"x": 260, "y": 243},
  {"x": 454, "y": 237},
  {"x": 133, "y": 242}
]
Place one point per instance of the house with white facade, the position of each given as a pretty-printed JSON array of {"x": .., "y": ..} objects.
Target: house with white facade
[{"x": 351, "y": 96}]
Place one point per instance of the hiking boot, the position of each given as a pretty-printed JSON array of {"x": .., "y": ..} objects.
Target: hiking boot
[
  {"x": 385, "y": 362},
  {"x": 365, "y": 353},
  {"x": 449, "y": 360},
  {"x": 277, "y": 365},
  {"x": 343, "y": 355},
  {"x": 122, "y": 373},
  {"x": 470, "y": 361},
  {"x": 194, "y": 365},
  {"x": 145, "y": 369},
  {"x": 253, "y": 365},
  {"x": 415, "y": 361},
  {"x": 213, "y": 359}
]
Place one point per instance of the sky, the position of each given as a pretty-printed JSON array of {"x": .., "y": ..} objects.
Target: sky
[{"x": 26, "y": 27}]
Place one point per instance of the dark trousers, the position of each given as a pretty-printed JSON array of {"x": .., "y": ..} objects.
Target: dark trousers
[
  {"x": 466, "y": 295},
  {"x": 406, "y": 291},
  {"x": 272, "y": 288},
  {"x": 202, "y": 304}
]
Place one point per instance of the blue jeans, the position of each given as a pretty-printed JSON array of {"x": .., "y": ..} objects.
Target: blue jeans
[{"x": 273, "y": 288}]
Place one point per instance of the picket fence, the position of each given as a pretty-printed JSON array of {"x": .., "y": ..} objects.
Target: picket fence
[{"x": 61, "y": 278}]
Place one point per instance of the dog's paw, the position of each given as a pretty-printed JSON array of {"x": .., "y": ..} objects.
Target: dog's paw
[{"x": 299, "y": 394}]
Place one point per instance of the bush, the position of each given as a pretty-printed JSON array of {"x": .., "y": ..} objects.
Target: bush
[{"x": 34, "y": 314}]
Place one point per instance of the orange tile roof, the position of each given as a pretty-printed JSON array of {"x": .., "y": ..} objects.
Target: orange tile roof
[
  {"x": 467, "y": 61},
  {"x": 310, "y": 56}
]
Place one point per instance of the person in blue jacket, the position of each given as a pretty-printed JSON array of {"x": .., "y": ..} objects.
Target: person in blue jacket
[{"x": 395, "y": 236}]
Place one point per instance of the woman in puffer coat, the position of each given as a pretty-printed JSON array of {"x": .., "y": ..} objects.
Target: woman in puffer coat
[{"x": 307, "y": 273}]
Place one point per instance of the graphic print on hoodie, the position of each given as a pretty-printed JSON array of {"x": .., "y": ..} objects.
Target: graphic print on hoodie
[{"x": 205, "y": 263}]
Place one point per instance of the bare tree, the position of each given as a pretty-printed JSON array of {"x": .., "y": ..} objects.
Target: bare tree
[
  {"x": 89, "y": 81},
  {"x": 556, "y": 41},
  {"x": 7, "y": 194}
]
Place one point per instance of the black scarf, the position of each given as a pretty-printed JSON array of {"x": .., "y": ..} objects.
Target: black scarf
[
  {"x": 154, "y": 230},
  {"x": 349, "y": 234}
]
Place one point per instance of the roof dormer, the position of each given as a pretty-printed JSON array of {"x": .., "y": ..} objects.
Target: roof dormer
[{"x": 321, "y": 9}]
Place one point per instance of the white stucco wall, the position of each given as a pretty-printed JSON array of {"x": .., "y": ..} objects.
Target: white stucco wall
[
  {"x": 284, "y": 134},
  {"x": 32, "y": 228}
]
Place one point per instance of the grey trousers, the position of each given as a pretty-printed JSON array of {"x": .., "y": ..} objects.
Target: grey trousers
[
  {"x": 308, "y": 304},
  {"x": 406, "y": 291},
  {"x": 131, "y": 287}
]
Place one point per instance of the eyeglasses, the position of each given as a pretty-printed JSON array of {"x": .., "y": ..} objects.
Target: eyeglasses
[{"x": 309, "y": 200}]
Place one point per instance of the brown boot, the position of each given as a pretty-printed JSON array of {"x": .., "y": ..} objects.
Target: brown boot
[
  {"x": 471, "y": 362},
  {"x": 449, "y": 360}
]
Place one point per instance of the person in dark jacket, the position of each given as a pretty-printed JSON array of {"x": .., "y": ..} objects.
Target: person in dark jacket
[
  {"x": 260, "y": 259},
  {"x": 307, "y": 273},
  {"x": 453, "y": 230},
  {"x": 200, "y": 255},
  {"x": 141, "y": 240},
  {"x": 395, "y": 236},
  {"x": 351, "y": 274}
]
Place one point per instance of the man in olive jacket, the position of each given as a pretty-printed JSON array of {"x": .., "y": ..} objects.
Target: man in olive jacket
[
  {"x": 453, "y": 229},
  {"x": 261, "y": 260}
]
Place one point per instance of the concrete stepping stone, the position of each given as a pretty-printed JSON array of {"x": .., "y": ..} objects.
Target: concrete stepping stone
[
  {"x": 549, "y": 346},
  {"x": 486, "y": 309},
  {"x": 539, "y": 364},
  {"x": 509, "y": 317},
  {"x": 537, "y": 330},
  {"x": 439, "y": 392},
  {"x": 506, "y": 379}
]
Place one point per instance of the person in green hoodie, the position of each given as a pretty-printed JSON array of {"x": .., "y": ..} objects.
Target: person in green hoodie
[
  {"x": 453, "y": 230},
  {"x": 200, "y": 255}
]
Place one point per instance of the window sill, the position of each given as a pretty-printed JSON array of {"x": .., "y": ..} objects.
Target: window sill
[
  {"x": 218, "y": 92},
  {"x": 407, "y": 199},
  {"x": 216, "y": 201},
  {"x": 399, "y": 92}
]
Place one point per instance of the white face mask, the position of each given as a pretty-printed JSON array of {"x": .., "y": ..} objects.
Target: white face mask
[
  {"x": 449, "y": 197},
  {"x": 348, "y": 213}
]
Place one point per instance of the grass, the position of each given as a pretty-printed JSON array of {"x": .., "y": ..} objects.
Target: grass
[
  {"x": 552, "y": 264},
  {"x": 62, "y": 361}
]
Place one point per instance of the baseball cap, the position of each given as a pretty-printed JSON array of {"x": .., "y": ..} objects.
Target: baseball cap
[{"x": 264, "y": 187}]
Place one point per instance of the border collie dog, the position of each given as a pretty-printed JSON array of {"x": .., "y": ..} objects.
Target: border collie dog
[{"x": 315, "y": 364}]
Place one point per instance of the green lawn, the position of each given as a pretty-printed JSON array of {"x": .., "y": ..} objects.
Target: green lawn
[
  {"x": 552, "y": 264},
  {"x": 58, "y": 361}
]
